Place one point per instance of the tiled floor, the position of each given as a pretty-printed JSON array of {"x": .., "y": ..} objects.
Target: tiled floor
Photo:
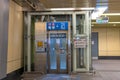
[
  {"x": 106, "y": 65},
  {"x": 60, "y": 77},
  {"x": 104, "y": 70}
]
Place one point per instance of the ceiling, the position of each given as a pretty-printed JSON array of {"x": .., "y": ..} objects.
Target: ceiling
[
  {"x": 67, "y": 3},
  {"x": 113, "y": 6}
]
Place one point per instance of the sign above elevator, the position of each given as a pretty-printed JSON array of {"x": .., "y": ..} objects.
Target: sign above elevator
[{"x": 57, "y": 25}]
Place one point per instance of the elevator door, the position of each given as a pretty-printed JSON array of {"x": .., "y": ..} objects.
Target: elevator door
[{"x": 57, "y": 54}]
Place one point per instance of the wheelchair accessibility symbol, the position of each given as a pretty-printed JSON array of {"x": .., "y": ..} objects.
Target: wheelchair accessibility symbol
[{"x": 62, "y": 25}]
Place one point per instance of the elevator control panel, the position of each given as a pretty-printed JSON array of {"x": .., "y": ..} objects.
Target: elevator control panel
[{"x": 80, "y": 41}]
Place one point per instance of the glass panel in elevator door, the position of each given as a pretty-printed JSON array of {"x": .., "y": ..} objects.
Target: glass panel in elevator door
[
  {"x": 53, "y": 60},
  {"x": 63, "y": 43}
]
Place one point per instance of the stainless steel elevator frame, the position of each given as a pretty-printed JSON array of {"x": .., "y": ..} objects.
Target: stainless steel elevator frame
[{"x": 88, "y": 33}]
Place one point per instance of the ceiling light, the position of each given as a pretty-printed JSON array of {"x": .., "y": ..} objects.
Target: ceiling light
[
  {"x": 90, "y": 8},
  {"x": 111, "y": 14},
  {"x": 55, "y": 9},
  {"x": 108, "y": 23},
  {"x": 68, "y": 9},
  {"x": 114, "y": 22}
]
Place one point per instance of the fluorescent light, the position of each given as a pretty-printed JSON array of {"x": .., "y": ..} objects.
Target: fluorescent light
[
  {"x": 112, "y": 14},
  {"x": 90, "y": 8},
  {"x": 65, "y": 9},
  {"x": 114, "y": 22},
  {"x": 55, "y": 9},
  {"x": 107, "y": 23}
]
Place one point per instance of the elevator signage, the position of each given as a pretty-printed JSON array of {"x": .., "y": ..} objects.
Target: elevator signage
[
  {"x": 81, "y": 43},
  {"x": 57, "y": 25},
  {"x": 102, "y": 20}
]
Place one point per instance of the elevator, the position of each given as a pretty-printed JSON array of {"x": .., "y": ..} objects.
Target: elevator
[
  {"x": 57, "y": 55},
  {"x": 57, "y": 40},
  {"x": 62, "y": 42}
]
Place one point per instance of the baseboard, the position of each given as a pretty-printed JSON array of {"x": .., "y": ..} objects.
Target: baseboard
[
  {"x": 109, "y": 57},
  {"x": 14, "y": 75}
]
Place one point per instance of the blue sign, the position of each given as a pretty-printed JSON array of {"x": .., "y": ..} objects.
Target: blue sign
[{"x": 57, "y": 25}]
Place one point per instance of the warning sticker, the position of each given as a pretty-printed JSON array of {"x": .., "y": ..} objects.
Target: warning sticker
[{"x": 40, "y": 44}]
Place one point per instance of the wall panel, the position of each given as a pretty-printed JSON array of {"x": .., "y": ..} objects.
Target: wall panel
[
  {"x": 102, "y": 39},
  {"x": 113, "y": 39},
  {"x": 15, "y": 38},
  {"x": 109, "y": 41}
]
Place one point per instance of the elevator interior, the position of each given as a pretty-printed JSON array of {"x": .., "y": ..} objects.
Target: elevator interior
[{"x": 60, "y": 42}]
